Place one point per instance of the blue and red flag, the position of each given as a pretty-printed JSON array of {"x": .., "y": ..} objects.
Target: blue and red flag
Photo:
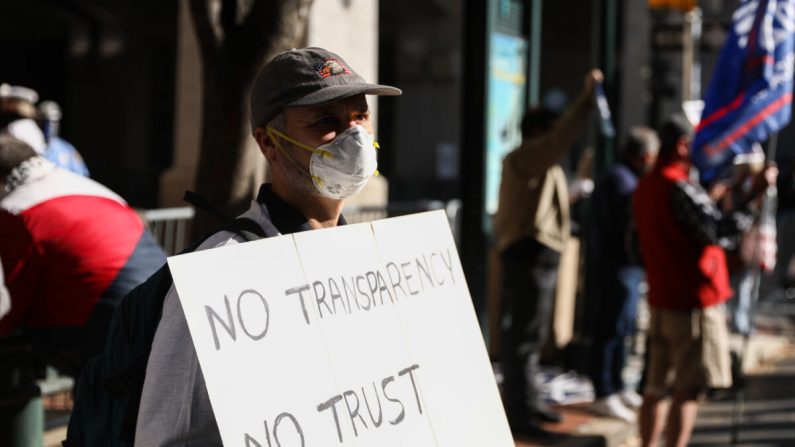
[{"x": 750, "y": 95}]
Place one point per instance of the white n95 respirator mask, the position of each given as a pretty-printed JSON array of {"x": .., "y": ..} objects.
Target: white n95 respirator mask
[{"x": 341, "y": 167}]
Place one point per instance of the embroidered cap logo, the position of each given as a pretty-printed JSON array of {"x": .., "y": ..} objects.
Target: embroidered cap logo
[{"x": 331, "y": 67}]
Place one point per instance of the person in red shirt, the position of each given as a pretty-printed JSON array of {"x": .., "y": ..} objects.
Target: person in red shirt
[
  {"x": 71, "y": 249},
  {"x": 682, "y": 236}
]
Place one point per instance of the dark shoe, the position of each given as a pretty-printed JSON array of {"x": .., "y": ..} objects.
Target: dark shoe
[
  {"x": 547, "y": 415},
  {"x": 529, "y": 430}
]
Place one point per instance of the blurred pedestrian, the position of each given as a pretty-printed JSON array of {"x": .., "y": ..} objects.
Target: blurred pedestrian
[
  {"x": 20, "y": 118},
  {"x": 58, "y": 151},
  {"x": 620, "y": 274},
  {"x": 682, "y": 236},
  {"x": 744, "y": 259},
  {"x": 17, "y": 116},
  {"x": 71, "y": 249},
  {"x": 532, "y": 228}
]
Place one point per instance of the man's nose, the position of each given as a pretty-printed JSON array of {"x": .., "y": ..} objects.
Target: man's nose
[
  {"x": 353, "y": 119},
  {"x": 347, "y": 124}
]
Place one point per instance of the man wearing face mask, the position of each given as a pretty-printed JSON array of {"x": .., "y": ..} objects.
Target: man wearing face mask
[{"x": 311, "y": 121}]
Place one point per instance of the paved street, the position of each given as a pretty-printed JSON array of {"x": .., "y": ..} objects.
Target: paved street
[
  {"x": 768, "y": 416},
  {"x": 769, "y": 408}
]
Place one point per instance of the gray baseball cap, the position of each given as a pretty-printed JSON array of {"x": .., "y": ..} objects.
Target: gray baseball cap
[{"x": 305, "y": 77}]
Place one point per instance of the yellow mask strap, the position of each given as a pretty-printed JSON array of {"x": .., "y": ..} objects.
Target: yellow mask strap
[
  {"x": 377, "y": 146},
  {"x": 275, "y": 135}
]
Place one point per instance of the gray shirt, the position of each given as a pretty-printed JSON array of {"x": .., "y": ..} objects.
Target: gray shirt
[{"x": 175, "y": 407}]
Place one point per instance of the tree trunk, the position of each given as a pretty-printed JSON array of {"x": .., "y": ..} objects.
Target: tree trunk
[
  {"x": 227, "y": 171},
  {"x": 227, "y": 165}
]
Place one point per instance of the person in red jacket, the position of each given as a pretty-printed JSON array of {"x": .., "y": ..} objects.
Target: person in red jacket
[
  {"x": 70, "y": 249},
  {"x": 682, "y": 236}
]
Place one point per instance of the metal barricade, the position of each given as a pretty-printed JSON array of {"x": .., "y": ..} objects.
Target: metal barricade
[
  {"x": 359, "y": 214},
  {"x": 170, "y": 227}
]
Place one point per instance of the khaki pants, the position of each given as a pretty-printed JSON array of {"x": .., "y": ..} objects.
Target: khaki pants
[{"x": 689, "y": 351}]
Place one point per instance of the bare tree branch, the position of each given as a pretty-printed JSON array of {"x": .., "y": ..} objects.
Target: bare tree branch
[
  {"x": 202, "y": 24},
  {"x": 272, "y": 26}
]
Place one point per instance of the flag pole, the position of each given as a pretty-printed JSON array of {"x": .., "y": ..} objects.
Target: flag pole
[
  {"x": 772, "y": 144},
  {"x": 766, "y": 215}
]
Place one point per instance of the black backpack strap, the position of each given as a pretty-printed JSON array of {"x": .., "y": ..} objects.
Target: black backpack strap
[
  {"x": 242, "y": 226},
  {"x": 130, "y": 382},
  {"x": 248, "y": 229},
  {"x": 203, "y": 204}
]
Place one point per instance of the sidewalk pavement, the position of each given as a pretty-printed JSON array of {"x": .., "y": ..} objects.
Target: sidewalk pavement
[
  {"x": 580, "y": 428},
  {"x": 770, "y": 408}
]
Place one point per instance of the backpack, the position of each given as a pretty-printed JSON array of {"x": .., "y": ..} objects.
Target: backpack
[{"x": 108, "y": 391}]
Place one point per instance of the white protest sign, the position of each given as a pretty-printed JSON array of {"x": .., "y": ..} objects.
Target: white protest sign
[
  {"x": 441, "y": 329},
  {"x": 359, "y": 335}
]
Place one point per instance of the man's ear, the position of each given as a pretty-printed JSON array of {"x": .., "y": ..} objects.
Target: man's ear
[{"x": 265, "y": 143}]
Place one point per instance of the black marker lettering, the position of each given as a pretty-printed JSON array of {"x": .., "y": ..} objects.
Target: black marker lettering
[
  {"x": 413, "y": 384},
  {"x": 268, "y": 433},
  {"x": 251, "y": 442},
  {"x": 408, "y": 277},
  {"x": 332, "y": 403},
  {"x": 362, "y": 291},
  {"x": 383, "y": 288},
  {"x": 350, "y": 291},
  {"x": 402, "y": 414},
  {"x": 433, "y": 270},
  {"x": 320, "y": 298},
  {"x": 295, "y": 425},
  {"x": 395, "y": 283},
  {"x": 264, "y": 306},
  {"x": 230, "y": 327},
  {"x": 372, "y": 281},
  {"x": 376, "y": 423},
  {"x": 423, "y": 269},
  {"x": 353, "y": 412},
  {"x": 449, "y": 264},
  {"x": 300, "y": 291},
  {"x": 334, "y": 292}
]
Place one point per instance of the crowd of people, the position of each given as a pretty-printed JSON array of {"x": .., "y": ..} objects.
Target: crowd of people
[
  {"x": 72, "y": 252},
  {"x": 651, "y": 224}
]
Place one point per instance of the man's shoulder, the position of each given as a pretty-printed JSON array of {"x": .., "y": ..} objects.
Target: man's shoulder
[
  {"x": 612, "y": 177},
  {"x": 528, "y": 146},
  {"x": 621, "y": 171},
  {"x": 681, "y": 188},
  {"x": 257, "y": 214},
  {"x": 220, "y": 238}
]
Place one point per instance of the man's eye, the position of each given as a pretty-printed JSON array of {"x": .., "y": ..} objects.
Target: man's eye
[
  {"x": 326, "y": 121},
  {"x": 362, "y": 117}
]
